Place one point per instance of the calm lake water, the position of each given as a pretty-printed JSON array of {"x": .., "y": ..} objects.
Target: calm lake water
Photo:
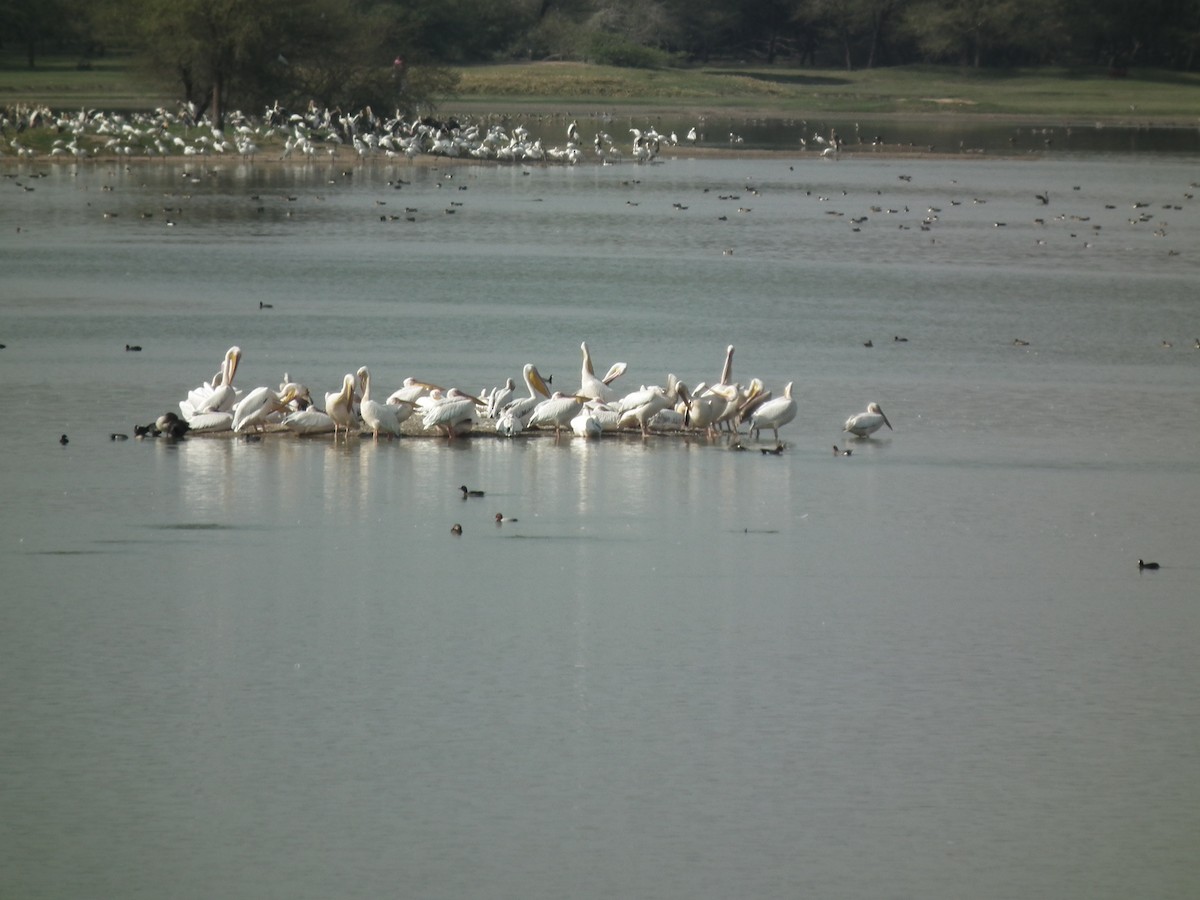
[{"x": 932, "y": 669}]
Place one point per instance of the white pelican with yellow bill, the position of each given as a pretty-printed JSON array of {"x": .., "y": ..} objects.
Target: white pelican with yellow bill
[
  {"x": 339, "y": 406},
  {"x": 259, "y": 408},
  {"x": 513, "y": 418},
  {"x": 593, "y": 388},
  {"x": 218, "y": 395},
  {"x": 385, "y": 417}
]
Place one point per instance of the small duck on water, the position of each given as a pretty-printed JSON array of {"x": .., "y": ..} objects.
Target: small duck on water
[{"x": 1142, "y": 564}]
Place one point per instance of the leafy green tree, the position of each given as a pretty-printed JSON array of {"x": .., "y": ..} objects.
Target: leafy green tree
[
  {"x": 226, "y": 54},
  {"x": 962, "y": 31},
  {"x": 31, "y": 24}
]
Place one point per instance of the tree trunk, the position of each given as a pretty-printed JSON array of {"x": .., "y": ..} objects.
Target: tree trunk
[{"x": 218, "y": 112}]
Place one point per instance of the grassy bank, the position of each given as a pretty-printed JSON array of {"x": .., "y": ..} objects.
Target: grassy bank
[
  {"x": 912, "y": 90},
  {"x": 116, "y": 83}
]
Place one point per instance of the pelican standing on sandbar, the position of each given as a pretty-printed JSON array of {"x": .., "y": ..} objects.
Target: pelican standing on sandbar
[
  {"x": 557, "y": 412},
  {"x": 339, "y": 406},
  {"x": 453, "y": 415},
  {"x": 593, "y": 388},
  {"x": 774, "y": 413},
  {"x": 385, "y": 417},
  {"x": 867, "y": 423},
  {"x": 513, "y": 418},
  {"x": 217, "y": 395}
]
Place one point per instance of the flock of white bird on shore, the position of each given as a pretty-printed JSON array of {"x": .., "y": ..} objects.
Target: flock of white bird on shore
[
  {"x": 316, "y": 132},
  {"x": 418, "y": 407}
]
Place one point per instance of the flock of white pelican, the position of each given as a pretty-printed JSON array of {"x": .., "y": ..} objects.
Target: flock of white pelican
[
  {"x": 418, "y": 407},
  {"x": 316, "y": 132}
]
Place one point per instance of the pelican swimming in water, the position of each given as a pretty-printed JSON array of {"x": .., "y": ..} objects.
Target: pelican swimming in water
[
  {"x": 594, "y": 388},
  {"x": 774, "y": 413},
  {"x": 867, "y": 423},
  {"x": 339, "y": 406},
  {"x": 385, "y": 417}
]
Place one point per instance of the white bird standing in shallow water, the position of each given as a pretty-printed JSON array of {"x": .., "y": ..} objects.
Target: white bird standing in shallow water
[
  {"x": 557, "y": 412},
  {"x": 514, "y": 417},
  {"x": 453, "y": 414},
  {"x": 640, "y": 406},
  {"x": 867, "y": 423},
  {"x": 385, "y": 417},
  {"x": 257, "y": 407},
  {"x": 339, "y": 406},
  {"x": 774, "y": 413}
]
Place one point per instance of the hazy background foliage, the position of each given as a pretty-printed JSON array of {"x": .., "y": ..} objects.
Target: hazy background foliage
[{"x": 222, "y": 54}]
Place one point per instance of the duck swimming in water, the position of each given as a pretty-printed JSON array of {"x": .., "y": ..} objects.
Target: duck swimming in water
[
  {"x": 469, "y": 493},
  {"x": 1142, "y": 564}
]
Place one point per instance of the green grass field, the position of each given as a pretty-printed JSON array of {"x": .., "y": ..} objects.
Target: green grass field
[
  {"x": 116, "y": 83},
  {"x": 1050, "y": 93}
]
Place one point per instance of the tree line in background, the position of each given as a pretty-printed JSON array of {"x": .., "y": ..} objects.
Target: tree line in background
[{"x": 224, "y": 53}]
